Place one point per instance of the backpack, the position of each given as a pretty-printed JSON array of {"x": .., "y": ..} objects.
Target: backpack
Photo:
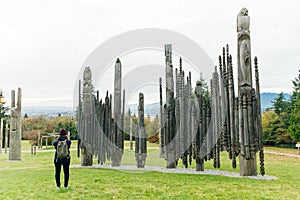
[{"x": 62, "y": 149}]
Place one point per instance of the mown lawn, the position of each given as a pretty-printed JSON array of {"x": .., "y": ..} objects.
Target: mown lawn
[{"x": 33, "y": 178}]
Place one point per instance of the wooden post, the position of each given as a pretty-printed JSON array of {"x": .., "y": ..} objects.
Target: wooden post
[
  {"x": 6, "y": 138},
  {"x": 39, "y": 141},
  {"x": 161, "y": 123},
  {"x": 170, "y": 110},
  {"x": 31, "y": 149},
  {"x": 15, "y": 127},
  {"x": 130, "y": 134},
  {"x": 141, "y": 136},
  {"x": 298, "y": 146}
]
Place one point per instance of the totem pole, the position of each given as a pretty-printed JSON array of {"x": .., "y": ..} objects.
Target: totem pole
[
  {"x": 85, "y": 119},
  {"x": 170, "y": 111},
  {"x": 248, "y": 122},
  {"x": 141, "y": 136},
  {"x": 198, "y": 127},
  {"x": 118, "y": 148},
  {"x": 162, "y": 123},
  {"x": 15, "y": 127}
]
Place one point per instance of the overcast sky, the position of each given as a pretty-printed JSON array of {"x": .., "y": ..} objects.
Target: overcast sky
[{"x": 43, "y": 44}]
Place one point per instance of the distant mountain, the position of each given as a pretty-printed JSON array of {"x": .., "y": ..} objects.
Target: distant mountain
[
  {"x": 150, "y": 109},
  {"x": 48, "y": 111}
]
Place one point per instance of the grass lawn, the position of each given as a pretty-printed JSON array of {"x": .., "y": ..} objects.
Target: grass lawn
[{"x": 33, "y": 178}]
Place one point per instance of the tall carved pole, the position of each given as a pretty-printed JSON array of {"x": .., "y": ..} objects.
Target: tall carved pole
[
  {"x": 141, "y": 136},
  {"x": 122, "y": 122},
  {"x": 117, "y": 150},
  {"x": 189, "y": 126},
  {"x": 130, "y": 134},
  {"x": 85, "y": 129},
  {"x": 259, "y": 122},
  {"x": 162, "y": 123},
  {"x": 15, "y": 127},
  {"x": 231, "y": 110},
  {"x": 182, "y": 113},
  {"x": 78, "y": 119},
  {"x": 247, "y": 155},
  {"x": 198, "y": 128},
  {"x": 170, "y": 109},
  {"x": 6, "y": 138}
]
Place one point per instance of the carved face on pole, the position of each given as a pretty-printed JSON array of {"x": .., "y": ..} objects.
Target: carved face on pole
[
  {"x": 244, "y": 12},
  {"x": 141, "y": 108},
  {"x": 141, "y": 97},
  {"x": 87, "y": 76}
]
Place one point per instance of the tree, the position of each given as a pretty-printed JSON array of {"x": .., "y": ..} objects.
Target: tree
[
  {"x": 153, "y": 130},
  {"x": 280, "y": 104},
  {"x": 296, "y": 92},
  {"x": 48, "y": 125},
  {"x": 294, "y": 128},
  {"x": 294, "y": 121},
  {"x": 274, "y": 129}
]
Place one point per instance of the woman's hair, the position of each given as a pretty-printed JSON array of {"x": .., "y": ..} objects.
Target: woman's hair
[{"x": 62, "y": 132}]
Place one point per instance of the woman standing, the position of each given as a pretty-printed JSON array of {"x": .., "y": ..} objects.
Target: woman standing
[{"x": 62, "y": 157}]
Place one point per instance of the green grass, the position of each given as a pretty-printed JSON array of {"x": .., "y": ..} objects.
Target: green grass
[{"x": 33, "y": 178}]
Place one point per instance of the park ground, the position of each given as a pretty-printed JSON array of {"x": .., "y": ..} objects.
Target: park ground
[{"x": 33, "y": 178}]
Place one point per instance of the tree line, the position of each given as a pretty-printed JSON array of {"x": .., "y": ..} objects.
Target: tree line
[
  {"x": 281, "y": 123},
  {"x": 31, "y": 126}
]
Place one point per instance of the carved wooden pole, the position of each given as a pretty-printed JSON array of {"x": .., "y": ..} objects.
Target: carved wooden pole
[
  {"x": 141, "y": 136},
  {"x": 247, "y": 156},
  {"x": 170, "y": 109},
  {"x": 79, "y": 126},
  {"x": 162, "y": 122},
  {"x": 189, "y": 138},
  {"x": 259, "y": 122},
  {"x": 6, "y": 138},
  {"x": 110, "y": 144},
  {"x": 118, "y": 151},
  {"x": 130, "y": 134},
  {"x": 199, "y": 155},
  {"x": 218, "y": 118},
  {"x": 177, "y": 111},
  {"x": 224, "y": 143},
  {"x": 85, "y": 129},
  {"x": 215, "y": 117},
  {"x": 15, "y": 127},
  {"x": 226, "y": 103},
  {"x": 231, "y": 110},
  {"x": 122, "y": 122},
  {"x": 182, "y": 112}
]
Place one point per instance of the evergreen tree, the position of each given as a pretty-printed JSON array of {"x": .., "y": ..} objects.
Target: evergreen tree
[
  {"x": 294, "y": 121},
  {"x": 280, "y": 104},
  {"x": 294, "y": 128}
]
